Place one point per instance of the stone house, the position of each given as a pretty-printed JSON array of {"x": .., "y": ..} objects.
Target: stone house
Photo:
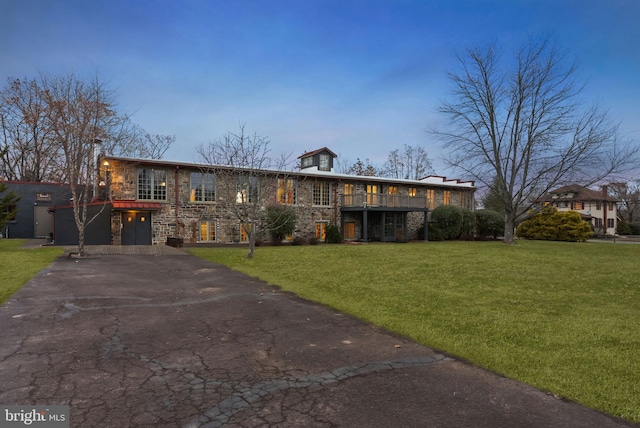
[
  {"x": 155, "y": 200},
  {"x": 596, "y": 207}
]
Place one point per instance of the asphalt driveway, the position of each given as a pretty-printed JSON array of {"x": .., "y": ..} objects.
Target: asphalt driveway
[{"x": 172, "y": 340}]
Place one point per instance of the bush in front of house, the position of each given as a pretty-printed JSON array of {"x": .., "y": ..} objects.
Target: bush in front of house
[
  {"x": 635, "y": 228},
  {"x": 447, "y": 222},
  {"x": 281, "y": 221},
  {"x": 552, "y": 225},
  {"x": 623, "y": 228},
  {"x": 333, "y": 235},
  {"x": 489, "y": 224}
]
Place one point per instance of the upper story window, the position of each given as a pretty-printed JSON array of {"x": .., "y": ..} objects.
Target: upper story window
[
  {"x": 373, "y": 191},
  {"x": 447, "y": 197},
  {"x": 321, "y": 193},
  {"x": 325, "y": 162},
  {"x": 348, "y": 194},
  {"x": 152, "y": 184},
  {"x": 287, "y": 191},
  {"x": 431, "y": 198},
  {"x": 413, "y": 192},
  {"x": 203, "y": 187},
  {"x": 306, "y": 162},
  {"x": 247, "y": 189}
]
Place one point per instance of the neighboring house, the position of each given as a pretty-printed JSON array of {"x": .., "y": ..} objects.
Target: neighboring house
[
  {"x": 33, "y": 219},
  {"x": 596, "y": 207},
  {"x": 152, "y": 200}
]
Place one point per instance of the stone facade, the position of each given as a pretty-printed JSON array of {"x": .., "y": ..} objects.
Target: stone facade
[{"x": 174, "y": 214}]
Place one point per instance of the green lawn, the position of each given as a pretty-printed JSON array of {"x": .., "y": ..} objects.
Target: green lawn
[
  {"x": 19, "y": 265},
  {"x": 563, "y": 317}
]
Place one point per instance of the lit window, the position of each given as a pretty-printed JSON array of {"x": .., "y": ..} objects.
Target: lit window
[
  {"x": 286, "y": 191},
  {"x": 348, "y": 194},
  {"x": 321, "y": 193},
  {"x": 244, "y": 232},
  {"x": 431, "y": 197},
  {"x": 152, "y": 184},
  {"x": 393, "y": 193},
  {"x": 372, "y": 194},
  {"x": 321, "y": 230},
  {"x": 203, "y": 187},
  {"x": 207, "y": 231},
  {"x": 349, "y": 230},
  {"x": 447, "y": 197},
  {"x": 247, "y": 189},
  {"x": 413, "y": 192}
]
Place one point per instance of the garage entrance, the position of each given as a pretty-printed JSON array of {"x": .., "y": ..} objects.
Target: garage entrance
[{"x": 136, "y": 228}]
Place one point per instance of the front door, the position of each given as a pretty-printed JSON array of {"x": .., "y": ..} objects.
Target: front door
[
  {"x": 136, "y": 228},
  {"x": 43, "y": 224}
]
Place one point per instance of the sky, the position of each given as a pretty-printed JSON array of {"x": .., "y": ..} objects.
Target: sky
[{"x": 360, "y": 77}]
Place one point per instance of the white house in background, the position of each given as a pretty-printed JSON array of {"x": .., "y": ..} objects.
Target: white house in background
[{"x": 597, "y": 207}]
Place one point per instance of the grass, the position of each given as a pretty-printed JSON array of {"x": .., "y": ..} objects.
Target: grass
[
  {"x": 563, "y": 317},
  {"x": 19, "y": 265}
]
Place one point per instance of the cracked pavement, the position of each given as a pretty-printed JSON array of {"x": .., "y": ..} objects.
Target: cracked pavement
[{"x": 175, "y": 341}]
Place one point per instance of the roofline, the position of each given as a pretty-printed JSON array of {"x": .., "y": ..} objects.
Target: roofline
[
  {"x": 453, "y": 183},
  {"x": 313, "y": 152}
]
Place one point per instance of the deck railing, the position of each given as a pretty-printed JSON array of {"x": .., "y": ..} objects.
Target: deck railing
[{"x": 366, "y": 200}]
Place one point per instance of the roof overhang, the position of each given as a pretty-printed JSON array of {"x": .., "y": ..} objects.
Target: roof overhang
[{"x": 135, "y": 205}]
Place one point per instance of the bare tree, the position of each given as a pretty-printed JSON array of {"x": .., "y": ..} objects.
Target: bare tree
[
  {"x": 412, "y": 163},
  {"x": 31, "y": 149},
  {"x": 242, "y": 165},
  {"x": 363, "y": 168},
  {"x": 79, "y": 114},
  {"x": 628, "y": 193},
  {"x": 29, "y": 152},
  {"x": 524, "y": 126}
]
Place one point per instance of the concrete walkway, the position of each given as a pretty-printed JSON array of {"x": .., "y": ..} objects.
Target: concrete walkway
[{"x": 165, "y": 341}]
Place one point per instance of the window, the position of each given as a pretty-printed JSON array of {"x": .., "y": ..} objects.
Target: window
[
  {"x": 247, "y": 189},
  {"x": 244, "y": 232},
  {"x": 611, "y": 207},
  {"x": 413, "y": 192},
  {"x": 207, "y": 231},
  {"x": 610, "y": 223},
  {"x": 578, "y": 205},
  {"x": 286, "y": 191},
  {"x": 598, "y": 222},
  {"x": 349, "y": 230},
  {"x": 203, "y": 187},
  {"x": 348, "y": 194},
  {"x": 447, "y": 197},
  {"x": 321, "y": 230},
  {"x": 321, "y": 193},
  {"x": 393, "y": 195},
  {"x": 372, "y": 194},
  {"x": 325, "y": 162},
  {"x": 431, "y": 198},
  {"x": 598, "y": 207},
  {"x": 306, "y": 162},
  {"x": 152, "y": 184}
]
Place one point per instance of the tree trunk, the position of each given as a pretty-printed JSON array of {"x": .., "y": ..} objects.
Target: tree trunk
[
  {"x": 509, "y": 228},
  {"x": 81, "y": 242},
  {"x": 252, "y": 241}
]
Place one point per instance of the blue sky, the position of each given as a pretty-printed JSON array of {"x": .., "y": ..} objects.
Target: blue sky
[{"x": 360, "y": 77}]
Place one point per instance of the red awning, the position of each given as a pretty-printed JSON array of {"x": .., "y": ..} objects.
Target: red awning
[{"x": 135, "y": 205}]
